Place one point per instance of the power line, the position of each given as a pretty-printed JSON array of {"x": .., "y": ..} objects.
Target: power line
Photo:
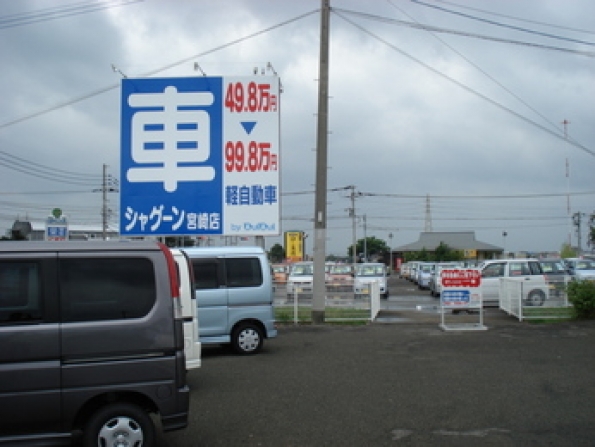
[
  {"x": 486, "y": 74},
  {"x": 518, "y": 19},
  {"x": 148, "y": 74},
  {"x": 450, "y": 196},
  {"x": 58, "y": 12},
  {"x": 463, "y": 86},
  {"x": 503, "y": 25},
  {"x": 40, "y": 171},
  {"x": 11, "y": 159},
  {"x": 482, "y": 197},
  {"x": 459, "y": 33}
]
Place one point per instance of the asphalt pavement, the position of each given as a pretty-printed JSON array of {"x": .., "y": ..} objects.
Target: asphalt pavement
[{"x": 402, "y": 383}]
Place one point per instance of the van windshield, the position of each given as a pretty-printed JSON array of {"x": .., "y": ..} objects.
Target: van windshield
[
  {"x": 302, "y": 270},
  {"x": 371, "y": 270}
]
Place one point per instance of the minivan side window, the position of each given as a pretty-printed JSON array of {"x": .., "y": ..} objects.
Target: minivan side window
[
  {"x": 243, "y": 272},
  {"x": 206, "y": 273},
  {"x": 106, "y": 288},
  {"x": 20, "y": 292}
]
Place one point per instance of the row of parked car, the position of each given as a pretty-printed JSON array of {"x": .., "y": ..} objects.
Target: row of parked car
[
  {"x": 543, "y": 276},
  {"x": 339, "y": 277},
  {"x": 97, "y": 337}
]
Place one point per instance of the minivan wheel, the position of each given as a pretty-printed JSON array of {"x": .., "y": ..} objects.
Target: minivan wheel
[
  {"x": 119, "y": 425},
  {"x": 247, "y": 339},
  {"x": 535, "y": 298}
]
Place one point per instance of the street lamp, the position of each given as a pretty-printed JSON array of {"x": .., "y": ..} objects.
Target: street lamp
[
  {"x": 390, "y": 251},
  {"x": 504, "y": 234}
]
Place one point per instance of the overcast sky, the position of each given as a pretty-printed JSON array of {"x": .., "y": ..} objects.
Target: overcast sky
[{"x": 453, "y": 131}]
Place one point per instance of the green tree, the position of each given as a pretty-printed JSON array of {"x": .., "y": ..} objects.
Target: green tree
[
  {"x": 374, "y": 247},
  {"x": 567, "y": 251},
  {"x": 277, "y": 253},
  {"x": 442, "y": 253}
]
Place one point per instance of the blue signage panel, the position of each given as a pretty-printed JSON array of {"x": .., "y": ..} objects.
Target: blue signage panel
[{"x": 191, "y": 160}]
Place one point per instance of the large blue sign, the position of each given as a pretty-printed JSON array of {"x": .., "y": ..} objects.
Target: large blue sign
[{"x": 199, "y": 156}]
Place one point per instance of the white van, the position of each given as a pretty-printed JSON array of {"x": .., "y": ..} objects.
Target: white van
[
  {"x": 234, "y": 296},
  {"x": 192, "y": 343},
  {"x": 367, "y": 273},
  {"x": 300, "y": 279}
]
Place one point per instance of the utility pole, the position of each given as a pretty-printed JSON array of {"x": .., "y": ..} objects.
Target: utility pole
[
  {"x": 104, "y": 209},
  {"x": 566, "y": 123},
  {"x": 577, "y": 220},
  {"x": 390, "y": 251},
  {"x": 428, "y": 221},
  {"x": 320, "y": 217},
  {"x": 365, "y": 240},
  {"x": 353, "y": 224},
  {"x": 107, "y": 185}
]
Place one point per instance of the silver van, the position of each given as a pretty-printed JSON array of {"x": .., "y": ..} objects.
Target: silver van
[
  {"x": 91, "y": 343},
  {"x": 234, "y": 296}
]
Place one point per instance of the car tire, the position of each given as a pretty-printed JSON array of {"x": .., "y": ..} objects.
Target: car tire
[
  {"x": 116, "y": 420},
  {"x": 535, "y": 298},
  {"x": 247, "y": 339}
]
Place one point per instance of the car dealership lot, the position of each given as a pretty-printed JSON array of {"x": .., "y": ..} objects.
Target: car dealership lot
[{"x": 406, "y": 383}]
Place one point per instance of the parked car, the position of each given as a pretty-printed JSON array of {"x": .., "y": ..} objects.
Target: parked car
[
  {"x": 424, "y": 273},
  {"x": 556, "y": 274},
  {"x": 234, "y": 296},
  {"x": 300, "y": 278},
  {"x": 280, "y": 272},
  {"x": 367, "y": 273},
  {"x": 435, "y": 282},
  {"x": 581, "y": 268},
  {"x": 340, "y": 278},
  {"x": 413, "y": 271},
  {"x": 404, "y": 270},
  {"x": 92, "y": 342},
  {"x": 535, "y": 285}
]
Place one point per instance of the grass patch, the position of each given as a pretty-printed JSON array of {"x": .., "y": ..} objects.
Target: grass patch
[
  {"x": 342, "y": 315},
  {"x": 548, "y": 314}
]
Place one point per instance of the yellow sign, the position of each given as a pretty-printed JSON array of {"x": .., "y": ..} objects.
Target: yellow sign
[
  {"x": 470, "y": 253},
  {"x": 294, "y": 246}
]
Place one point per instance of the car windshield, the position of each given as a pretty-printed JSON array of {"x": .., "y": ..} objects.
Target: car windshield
[
  {"x": 279, "y": 269},
  {"x": 585, "y": 265},
  {"x": 552, "y": 267},
  {"x": 371, "y": 270},
  {"x": 340, "y": 270},
  {"x": 302, "y": 270}
]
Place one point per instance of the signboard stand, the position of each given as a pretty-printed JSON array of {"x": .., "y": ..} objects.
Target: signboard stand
[{"x": 461, "y": 291}]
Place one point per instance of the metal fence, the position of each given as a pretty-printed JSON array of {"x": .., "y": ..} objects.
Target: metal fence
[
  {"x": 515, "y": 300},
  {"x": 341, "y": 304}
]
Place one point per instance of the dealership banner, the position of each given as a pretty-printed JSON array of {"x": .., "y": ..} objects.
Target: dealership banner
[{"x": 200, "y": 156}]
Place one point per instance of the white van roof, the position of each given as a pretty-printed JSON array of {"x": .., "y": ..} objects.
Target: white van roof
[{"x": 220, "y": 251}]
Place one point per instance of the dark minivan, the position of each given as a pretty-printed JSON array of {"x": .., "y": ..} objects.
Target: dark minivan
[{"x": 91, "y": 343}]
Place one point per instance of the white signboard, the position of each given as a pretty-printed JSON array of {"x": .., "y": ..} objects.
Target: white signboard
[{"x": 461, "y": 288}]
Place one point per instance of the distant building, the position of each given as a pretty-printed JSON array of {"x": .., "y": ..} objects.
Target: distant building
[{"x": 463, "y": 241}]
